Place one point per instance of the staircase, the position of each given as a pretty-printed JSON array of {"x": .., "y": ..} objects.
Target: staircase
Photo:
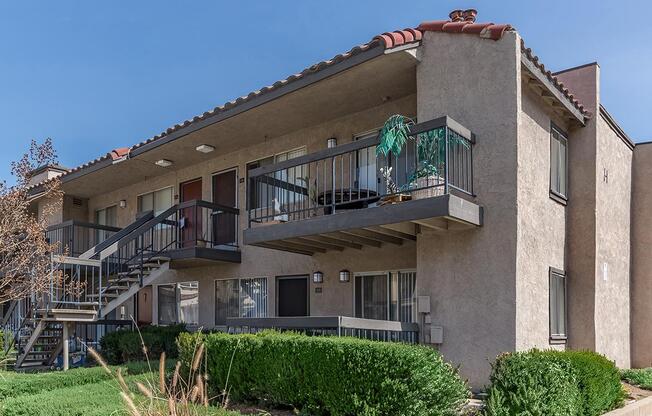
[{"x": 111, "y": 272}]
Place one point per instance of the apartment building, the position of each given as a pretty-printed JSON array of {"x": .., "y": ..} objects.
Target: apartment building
[{"x": 275, "y": 210}]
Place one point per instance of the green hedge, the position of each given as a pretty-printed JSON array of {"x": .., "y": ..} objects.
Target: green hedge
[
  {"x": 328, "y": 375},
  {"x": 21, "y": 384},
  {"x": 553, "y": 383},
  {"x": 126, "y": 345}
]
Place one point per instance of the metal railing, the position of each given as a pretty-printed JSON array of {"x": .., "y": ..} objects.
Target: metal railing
[
  {"x": 14, "y": 322},
  {"x": 373, "y": 329},
  {"x": 75, "y": 237},
  {"x": 437, "y": 158}
]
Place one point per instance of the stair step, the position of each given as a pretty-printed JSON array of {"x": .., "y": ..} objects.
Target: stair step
[
  {"x": 118, "y": 287},
  {"x": 124, "y": 279},
  {"x": 104, "y": 295},
  {"x": 160, "y": 259}
]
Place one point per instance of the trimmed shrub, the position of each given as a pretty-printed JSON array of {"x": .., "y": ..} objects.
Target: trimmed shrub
[
  {"x": 126, "y": 345},
  {"x": 553, "y": 383},
  {"x": 599, "y": 381},
  {"x": 328, "y": 375}
]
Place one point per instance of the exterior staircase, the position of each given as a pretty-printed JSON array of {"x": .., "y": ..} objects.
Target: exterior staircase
[{"x": 111, "y": 273}]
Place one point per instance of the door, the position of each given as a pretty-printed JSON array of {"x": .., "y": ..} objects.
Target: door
[
  {"x": 292, "y": 296},
  {"x": 145, "y": 306},
  {"x": 191, "y": 224},
  {"x": 225, "y": 193}
]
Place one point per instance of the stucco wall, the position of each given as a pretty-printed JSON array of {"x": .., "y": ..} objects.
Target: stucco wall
[
  {"x": 641, "y": 283},
  {"x": 336, "y": 298},
  {"x": 613, "y": 208},
  {"x": 541, "y": 223},
  {"x": 470, "y": 275}
]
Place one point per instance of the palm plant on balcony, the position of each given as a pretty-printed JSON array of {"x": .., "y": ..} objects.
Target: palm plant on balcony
[{"x": 431, "y": 155}]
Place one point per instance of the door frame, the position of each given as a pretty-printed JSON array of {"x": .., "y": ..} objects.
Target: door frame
[
  {"x": 237, "y": 184},
  {"x": 290, "y": 277},
  {"x": 187, "y": 182}
]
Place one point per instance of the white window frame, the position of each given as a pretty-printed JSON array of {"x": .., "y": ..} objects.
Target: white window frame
[
  {"x": 138, "y": 196},
  {"x": 555, "y": 190},
  {"x": 552, "y": 298}
]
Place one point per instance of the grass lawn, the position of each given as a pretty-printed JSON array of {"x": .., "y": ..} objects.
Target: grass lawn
[
  {"x": 641, "y": 377},
  {"x": 76, "y": 392}
]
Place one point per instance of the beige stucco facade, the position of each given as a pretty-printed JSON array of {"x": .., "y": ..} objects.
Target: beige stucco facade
[{"x": 488, "y": 286}]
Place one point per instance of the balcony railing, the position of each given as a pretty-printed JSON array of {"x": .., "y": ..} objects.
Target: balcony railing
[
  {"x": 436, "y": 159},
  {"x": 75, "y": 237},
  {"x": 373, "y": 329}
]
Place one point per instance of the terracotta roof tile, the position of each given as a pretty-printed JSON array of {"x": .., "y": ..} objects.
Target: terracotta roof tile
[
  {"x": 558, "y": 84},
  {"x": 461, "y": 21}
]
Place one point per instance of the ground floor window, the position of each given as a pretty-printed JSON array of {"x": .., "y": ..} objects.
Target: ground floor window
[
  {"x": 178, "y": 303},
  {"x": 386, "y": 295},
  {"x": 246, "y": 298},
  {"x": 557, "y": 304}
]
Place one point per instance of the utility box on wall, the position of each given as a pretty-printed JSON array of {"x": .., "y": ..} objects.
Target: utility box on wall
[
  {"x": 423, "y": 304},
  {"x": 436, "y": 334}
]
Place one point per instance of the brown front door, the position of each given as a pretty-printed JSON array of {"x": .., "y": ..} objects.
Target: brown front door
[
  {"x": 191, "y": 228},
  {"x": 145, "y": 306},
  {"x": 224, "y": 193}
]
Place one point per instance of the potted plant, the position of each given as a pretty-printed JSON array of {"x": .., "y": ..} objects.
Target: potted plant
[{"x": 431, "y": 157}]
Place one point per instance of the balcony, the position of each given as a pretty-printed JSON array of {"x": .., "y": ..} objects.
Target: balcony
[
  {"x": 75, "y": 237},
  {"x": 350, "y": 197}
]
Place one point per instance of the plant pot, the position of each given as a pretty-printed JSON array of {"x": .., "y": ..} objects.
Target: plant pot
[
  {"x": 428, "y": 187},
  {"x": 394, "y": 199}
]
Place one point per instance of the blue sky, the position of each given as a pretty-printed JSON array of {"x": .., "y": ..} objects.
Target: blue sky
[{"x": 95, "y": 75}]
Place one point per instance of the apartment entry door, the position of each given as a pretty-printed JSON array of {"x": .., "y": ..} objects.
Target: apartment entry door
[
  {"x": 225, "y": 193},
  {"x": 292, "y": 295},
  {"x": 191, "y": 230}
]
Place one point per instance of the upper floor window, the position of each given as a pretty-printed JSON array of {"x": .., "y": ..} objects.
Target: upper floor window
[
  {"x": 557, "y": 304},
  {"x": 278, "y": 190},
  {"x": 157, "y": 201},
  {"x": 558, "y": 163}
]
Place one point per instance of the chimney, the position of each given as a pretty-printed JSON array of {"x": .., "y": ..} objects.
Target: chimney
[
  {"x": 45, "y": 173},
  {"x": 456, "y": 16},
  {"x": 469, "y": 15}
]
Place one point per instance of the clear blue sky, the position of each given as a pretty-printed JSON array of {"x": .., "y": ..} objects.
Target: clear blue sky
[{"x": 95, "y": 75}]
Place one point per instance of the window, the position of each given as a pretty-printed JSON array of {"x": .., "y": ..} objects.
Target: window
[
  {"x": 264, "y": 195},
  {"x": 387, "y": 296},
  {"x": 178, "y": 303},
  {"x": 107, "y": 216},
  {"x": 557, "y": 304},
  {"x": 558, "y": 163},
  {"x": 246, "y": 298},
  {"x": 157, "y": 201}
]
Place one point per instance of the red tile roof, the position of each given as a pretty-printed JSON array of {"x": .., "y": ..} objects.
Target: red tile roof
[{"x": 461, "y": 21}]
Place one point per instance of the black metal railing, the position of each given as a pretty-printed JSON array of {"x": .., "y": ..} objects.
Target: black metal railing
[
  {"x": 186, "y": 225},
  {"x": 437, "y": 158},
  {"x": 76, "y": 237},
  {"x": 373, "y": 329}
]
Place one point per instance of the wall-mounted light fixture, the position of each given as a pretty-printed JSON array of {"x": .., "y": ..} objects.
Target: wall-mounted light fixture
[
  {"x": 204, "y": 148},
  {"x": 332, "y": 142},
  {"x": 122, "y": 203},
  {"x": 345, "y": 276},
  {"x": 164, "y": 163},
  {"x": 318, "y": 277}
]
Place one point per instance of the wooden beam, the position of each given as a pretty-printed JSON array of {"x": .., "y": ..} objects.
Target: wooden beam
[
  {"x": 273, "y": 246},
  {"x": 393, "y": 232},
  {"x": 335, "y": 241},
  {"x": 314, "y": 244},
  {"x": 355, "y": 238},
  {"x": 376, "y": 236}
]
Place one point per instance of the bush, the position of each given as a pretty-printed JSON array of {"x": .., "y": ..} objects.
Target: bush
[
  {"x": 553, "y": 383},
  {"x": 126, "y": 345},
  {"x": 328, "y": 375},
  {"x": 641, "y": 377}
]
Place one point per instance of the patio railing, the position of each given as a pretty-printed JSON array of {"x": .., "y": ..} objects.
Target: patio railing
[
  {"x": 75, "y": 237},
  {"x": 373, "y": 329},
  {"x": 437, "y": 158}
]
